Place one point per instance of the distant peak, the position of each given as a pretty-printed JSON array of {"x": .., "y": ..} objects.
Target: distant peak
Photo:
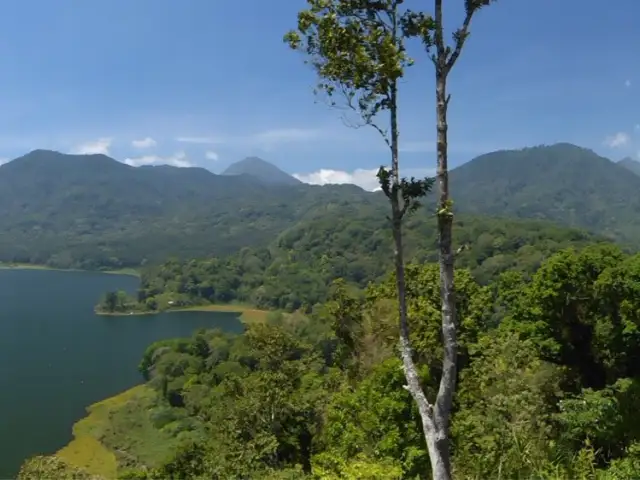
[
  {"x": 261, "y": 170},
  {"x": 628, "y": 159}
]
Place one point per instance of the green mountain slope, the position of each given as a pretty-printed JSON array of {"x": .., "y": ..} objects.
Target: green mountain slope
[
  {"x": 90, "y": 211},
  {"x": 563, "y": 183},
  {"x": 262, "y": 170}
]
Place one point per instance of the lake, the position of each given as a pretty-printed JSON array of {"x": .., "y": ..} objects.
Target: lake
[{"x": 57, "y": 357}]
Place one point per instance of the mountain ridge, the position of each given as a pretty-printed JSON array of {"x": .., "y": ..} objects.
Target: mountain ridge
[
  {"x": 564, "y": 183},
  {"x": 95, "y": 212}
]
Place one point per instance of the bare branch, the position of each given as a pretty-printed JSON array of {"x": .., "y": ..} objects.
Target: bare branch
[
  {"x": 460, "y": 37},
  {"x": 440, "y": 57}
]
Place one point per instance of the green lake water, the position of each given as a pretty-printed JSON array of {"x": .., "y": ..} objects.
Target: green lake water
[{"x": 57, "y": 357}]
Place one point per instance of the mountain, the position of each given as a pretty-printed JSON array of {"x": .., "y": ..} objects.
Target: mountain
[
  {"x": 630, "y": 164},
  {"x": 261, "y": 169},
  {"x": 562, "y": 183},
  {"x": 90, "y": 211}
]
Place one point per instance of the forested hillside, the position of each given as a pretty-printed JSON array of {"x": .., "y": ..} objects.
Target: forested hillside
[
  {"x": 298, "y": 268},
  {"x": 562, "y": 183},
  {"x": 548, "y": 386},
  {"x": 92, "y": 212}
]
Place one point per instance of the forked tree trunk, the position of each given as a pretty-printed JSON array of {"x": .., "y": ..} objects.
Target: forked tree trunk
[{"x": 435, "y": 422}]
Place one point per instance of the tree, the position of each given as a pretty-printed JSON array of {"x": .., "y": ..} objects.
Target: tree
[
  {"x": 431, "y": 32},
  {"x": 357, "y": 48}
]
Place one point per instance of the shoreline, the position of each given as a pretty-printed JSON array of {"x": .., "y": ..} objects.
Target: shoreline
[
  {"x": 30, "y": 266},
  {"x": 247, "y": 312},
  {"x": 85, "y": 450}
]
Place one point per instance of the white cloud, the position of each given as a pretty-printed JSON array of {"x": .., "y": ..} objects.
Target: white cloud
[
  {"x": 201, "y": 140},
  {"x": 211, "y": 155},
  {"x": 364, "y": 178},
  {"x": 637, "y": 126},
  {"x": 147, "y": 142},
  {"x": 620, "y": 139},
  {"x": 4, "y": 160},
  {"x": 100, "y": 145},
  {"x": 177, "y": 160},
  {"x": 627, "y": 83}
]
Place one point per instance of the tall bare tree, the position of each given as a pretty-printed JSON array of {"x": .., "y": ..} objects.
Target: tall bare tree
[
  {"x": 444, "y": 57},
  {"x": 357, "y": 47}
]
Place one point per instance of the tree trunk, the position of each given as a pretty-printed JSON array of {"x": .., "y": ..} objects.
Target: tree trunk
[
  {"x": 435, "y": 437},
  {"x": 444, "y": 400}
]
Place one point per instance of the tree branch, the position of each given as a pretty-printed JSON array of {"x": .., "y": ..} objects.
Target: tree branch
[
  {"x": 463, "y": 33},
  {"x": 440, "y": 57}
]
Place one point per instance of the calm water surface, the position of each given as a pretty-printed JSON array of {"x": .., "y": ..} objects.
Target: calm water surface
[{"x": 57, "y": 357}]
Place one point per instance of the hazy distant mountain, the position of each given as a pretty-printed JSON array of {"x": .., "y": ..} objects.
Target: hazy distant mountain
[
  {"x": 266, "y": 172},
  {"x": 563, "y": 182},
  {"x": 630, "y": 164}
]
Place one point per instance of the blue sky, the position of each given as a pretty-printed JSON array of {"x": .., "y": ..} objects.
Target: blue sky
[{"x": 208, "y": 82}]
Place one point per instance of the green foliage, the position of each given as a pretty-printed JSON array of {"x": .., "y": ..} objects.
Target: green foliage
[
  {"x": 376, "y": 419},
  {"x": 297, "y": 271},
  {"x": 116, "y": 302},
  {"x": 506, "y": 403},
  {"x": 358, "y": 468},
  {"x": 548, "y": 383},
  {"x": 357, "y": 50}
]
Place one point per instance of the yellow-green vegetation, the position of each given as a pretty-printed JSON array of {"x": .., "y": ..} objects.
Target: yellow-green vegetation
[
  {"x": 248, "y": 314},
  {"x": 118, "y": 432},
  {"x": 53, "y": 467}
]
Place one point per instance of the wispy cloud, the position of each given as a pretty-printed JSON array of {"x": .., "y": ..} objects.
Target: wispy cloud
[
  {"x": 266, "y": 139},
  {"x": 201, "y": 140},
  {"x": 362, "y": 177},
  {"x": 211, "y": 155},
  {"x": 627, "y": 83},
  {"x": 147, "y": 142},
  {"x": 287, "y": 135},
  {"x": 177, "y": 160},
  {"x": 4, "y": 160},
  {"x": 617, "y": 140},
  {"x": 100, "y": 145}
]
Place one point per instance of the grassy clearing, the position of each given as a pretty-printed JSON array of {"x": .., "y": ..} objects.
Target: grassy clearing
[
  {"x": 118, "y": 432},
  {"x": 248, "y": 313}
]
